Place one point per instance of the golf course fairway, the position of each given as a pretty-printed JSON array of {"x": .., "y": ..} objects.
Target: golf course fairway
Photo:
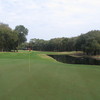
[{"x": 35, "y": 76}]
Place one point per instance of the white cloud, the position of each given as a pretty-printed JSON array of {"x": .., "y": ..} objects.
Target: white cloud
[{"x": 51, "y": 16}]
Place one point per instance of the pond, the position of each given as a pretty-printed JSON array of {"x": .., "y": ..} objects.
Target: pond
[{"x": 75, "y": 60}]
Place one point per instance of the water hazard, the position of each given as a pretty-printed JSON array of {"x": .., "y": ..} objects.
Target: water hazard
[{"x": 75, "y": 60}]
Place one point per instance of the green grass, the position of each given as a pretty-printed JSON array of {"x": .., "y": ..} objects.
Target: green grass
[{"x": 43, "y": 78}]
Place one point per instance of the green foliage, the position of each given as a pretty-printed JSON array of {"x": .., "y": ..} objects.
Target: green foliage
[
  {"x": 22, "y": 32},
  {"x": 15, "y": 39},
  {"x": 89, "y": 43},
  {"x": 23, "y": 46},
  {"x": 9, "y": 39}
]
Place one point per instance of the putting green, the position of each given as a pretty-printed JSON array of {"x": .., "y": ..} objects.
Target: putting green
[{"x": 35, "y": 76}]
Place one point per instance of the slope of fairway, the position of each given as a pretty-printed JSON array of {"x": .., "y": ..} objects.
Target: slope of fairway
[{"x": 35, "y": 76}]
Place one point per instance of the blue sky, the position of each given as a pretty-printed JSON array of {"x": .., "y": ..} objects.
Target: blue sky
[{"x": 48, "y": 19}]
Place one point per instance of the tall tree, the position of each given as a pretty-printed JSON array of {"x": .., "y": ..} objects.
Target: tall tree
[
  {"x": 7, "y": 38},
  {"x": 89, "y": 42},
  {"x": 22, "y": 32}
]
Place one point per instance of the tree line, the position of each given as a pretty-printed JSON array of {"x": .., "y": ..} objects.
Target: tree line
[
  {"x": 11, "y": 39},
  {"x": 14, "y": 39},
  {"x": 89, "y": 43}
]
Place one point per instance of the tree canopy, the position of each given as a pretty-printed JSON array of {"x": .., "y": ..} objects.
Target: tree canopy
[
  {"x": 89, "y": 43},
  {"x": 21, "y": 32},
  {"x": 9, "y": 38}
]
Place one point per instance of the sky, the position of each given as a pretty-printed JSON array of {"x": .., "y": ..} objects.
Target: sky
[{"x": 46, "y": 19}]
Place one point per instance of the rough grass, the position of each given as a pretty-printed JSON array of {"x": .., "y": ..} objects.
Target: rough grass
[{"x": 47, "y": 78}]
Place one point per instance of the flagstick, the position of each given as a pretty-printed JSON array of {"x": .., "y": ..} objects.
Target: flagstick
[{"x": 29, "y": 62}]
